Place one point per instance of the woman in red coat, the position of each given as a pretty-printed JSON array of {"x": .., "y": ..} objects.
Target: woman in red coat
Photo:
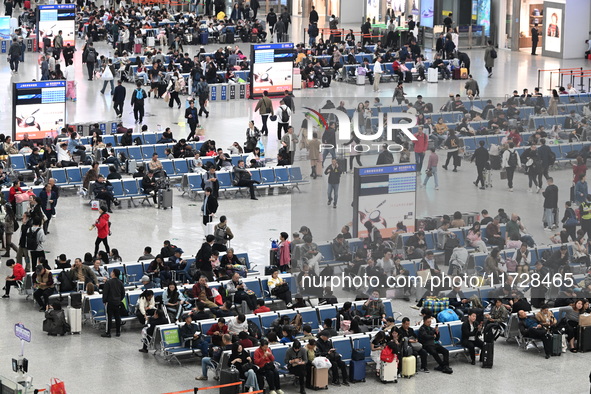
[
  {"x": 264, "y": 359},
  {"x": 18, "y": 273},
  {"x": 103, "y": 229}
]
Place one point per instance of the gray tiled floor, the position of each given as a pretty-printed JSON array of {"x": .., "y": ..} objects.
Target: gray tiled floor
[{"x": 89, "y": 364}]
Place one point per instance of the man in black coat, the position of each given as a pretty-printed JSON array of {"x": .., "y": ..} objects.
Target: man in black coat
[
  {"x": 203, "y": 257},
  {"x": 113, "y": 295},
  {"x": 470, "y": 332},
  {"x": 550, "y": 204},
  {"x": 254, "y": 6},
  {"x": 313, "y": 15},
  {"x": 458, "y": 300},
  {"x": 192, "y": 119},
  {"x": 481, "y": 158},
  {"x": 119, "y": 98},
  {"x": 149, "y": 185},
  {"x": 210, "y": 206}
]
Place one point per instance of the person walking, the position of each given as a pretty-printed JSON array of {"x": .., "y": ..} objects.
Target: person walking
[
  {"x": 14, "y": 55},
  {"x": 550, "y": 205},
  {"x": 420, "y": 147},
  {"x": 481, "y": 159},
  {"x": 103, "y": 229},
  {"x": 70, "y": 75},
  {"x": 431, "y": 171},
  {"x": 192, "y": 119},
  {"x": 283, "y": 114},
  {"x": 510, "y": 162},
  {"x": 119, "y": 98},
  {"x": 334, "y": 179},
  {"x": 58, "y": 44},
  {"x": 113, "y": 295},
  {"x": 490, "y": 54},
  {"x": 377, "y": 74},
  {"x": 137, "y": 102},
  {"x": 90, "y": 57},
  {"x": 585, "y": 209},
  {"x": 452, "y": 144},
  {"x": 107, "y": 76},
  {"x": 535, "y": 36},
  {"x": 203, "y": 94},
  {"x": 265, "y": 108}
]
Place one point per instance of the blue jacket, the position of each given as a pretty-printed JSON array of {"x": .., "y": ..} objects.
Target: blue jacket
[{"x": 581, "y": 191}]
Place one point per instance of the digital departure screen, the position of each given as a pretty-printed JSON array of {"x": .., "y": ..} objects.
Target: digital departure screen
[
  {"x": 272, "y": 68},
  {"x": 39, "y": 109}
]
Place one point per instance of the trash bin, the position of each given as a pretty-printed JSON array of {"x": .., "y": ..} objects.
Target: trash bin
[{"x": 360, "y": 79}]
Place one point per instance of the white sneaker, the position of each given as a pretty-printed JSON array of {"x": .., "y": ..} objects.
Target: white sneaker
[
  {"x": 250, "y": 390},
  {"x": 272, "y": 392},
  {"x": 539, "y": 190},
  {"x": 279, "y": 391}
]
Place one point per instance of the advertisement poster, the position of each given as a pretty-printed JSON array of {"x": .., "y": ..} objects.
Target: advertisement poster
[
  {"x": 399, "y": 6},
  {"x": 427, "y": 13},
  {"x": 4, "y": 27},
  {"x": 373, "y": 10},
  {"x": 484, "y": 16},
  {"x": 39, "y": 109},
  {"x": 272, "y": 77},
  {"x": 553, "y": 29},
  {"x": 53, "y": 18}
]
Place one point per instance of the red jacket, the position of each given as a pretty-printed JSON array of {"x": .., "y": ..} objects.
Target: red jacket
[
  {"x": 261, "y": 309},
  {"x": 215, "y": 327},
  {"x": 18, "y": 272},
  {"x": 12, "y": 193},
  {"x": 422, "y": 143},
  {"x": 102, "y": 225},
  {"x": 261, "y": 358}
]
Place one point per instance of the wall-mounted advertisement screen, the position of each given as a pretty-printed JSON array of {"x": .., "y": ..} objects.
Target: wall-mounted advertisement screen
[
  {"x": 373, "y": 9},
  {"x": 38, "y": 108},
  {"x": 427, "y": 13},
  {"x": 483, "y": 18},
  {"x": 272, "y": 68},
  {"x": 4, "y": 27},
  {"x": 553, "y": 29},
  {"x": 384, "y": 195},
  {"x": 53, "y": 18}
]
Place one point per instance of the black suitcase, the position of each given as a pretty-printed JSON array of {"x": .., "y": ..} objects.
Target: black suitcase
[
  {"x": 584, "y": 339},
  {"x": 495, "y": 162},
  {"x": 487, "y": 354},
  {"x": 408, "y": 77},
  {"x": 342, "y": 162},
  {"x": 229, "y": 376},
  {"x": 557, "y": 345},
  {"x": 230, "y": 37},
  {"x": 325, "y": 81},
  {"x": 572, "y": 193}
]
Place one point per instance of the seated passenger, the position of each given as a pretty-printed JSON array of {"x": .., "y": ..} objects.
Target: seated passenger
[{"x": 529, "y": 327}]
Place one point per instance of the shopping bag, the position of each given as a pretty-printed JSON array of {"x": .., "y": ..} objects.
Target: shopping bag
[
  {"x": 57, "y": 386},
  {"x": 166, "y": 96}
]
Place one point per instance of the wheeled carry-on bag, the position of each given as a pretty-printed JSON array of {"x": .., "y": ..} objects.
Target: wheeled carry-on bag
[
  {"x": 487, "y": 354},
  {"x": 319, "y": 378},
  {"x": 357, "y": 370},
  {"x": 389, "y": 372},
  {"x": 227, "y": 376},
  {"x": 409, "y": 366},
  {"x": 165, "y": 198},
  {"x": 74, "y": 319}
]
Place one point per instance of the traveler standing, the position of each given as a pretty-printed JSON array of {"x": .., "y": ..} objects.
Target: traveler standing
[
  {"x": 490, "y": 54},
  {"x": 265, "y": 108},
  {"x": 103, "y": 228},
  {"x": 510, "y": 161},
  {"x": 113, "y": 295},
  {"x": 334, "y": 179},
  {"x": 137, "y": 102},
  {"x": 481, "y": 158},
  {"x": 192, "y": 119},
  {"x": 431, "y": 171},
  {"x": 550, "y": 205},
  {"x": 70, "y": 75},
  {"x": 119, "y": 98},
  {"x": 14, "y": 55}
]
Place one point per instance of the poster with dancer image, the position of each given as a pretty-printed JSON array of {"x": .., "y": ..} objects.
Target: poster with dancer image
[{"x": 553, "y": 29}]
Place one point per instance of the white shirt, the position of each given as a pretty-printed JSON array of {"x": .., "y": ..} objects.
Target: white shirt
[
  {"x": 63, "y": 155},
  {"x": 572, "y": 90},
  {"x": 279, "y": 112},
  {"x": 377, "y": 67},
  {"x": 70, "y": 73}
]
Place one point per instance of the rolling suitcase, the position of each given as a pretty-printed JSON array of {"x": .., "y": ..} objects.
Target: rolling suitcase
[
  {"x": 325, "y": 81},
  {"x": 137, "y": 48},
  {"x": 584, "y": 339},
  {"x": 74, "y": 320},
  {"x": 456, "y": 73},
  {"x": 204, "y": 37},
  {"x": 151, "y": 41},
  {"x": 487, "y": 178},
  {"x": 21, "y": 208},
  {"x": 320, "y": 378},
  {"x": 230, "y": 376},
  {"x": 389, "y": 371},
  {"x": 357, "y": 370},
  {"x": 230, "y": 37},
  {"x": 463, "y": 73},
  {"x": 165, "y": 198},
  {"x": 342, "y": 162},
  {"x": 487, "y": 354},
  {"x": 556, "y": 344},
  {"x": 432, "y": 75},
  {"x": 495, "y": 162},
  {"x": 210, "y": 228},
  {"x": 409, "y": 366}
]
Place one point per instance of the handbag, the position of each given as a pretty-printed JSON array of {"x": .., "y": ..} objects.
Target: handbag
[
  {"x": 166, "y": 96},
  {"x": 282, "y": 288},
  {"x": 20, "y": 198},
  {"x": 57, "y": 386},
  {"x": 107, "y": 74},
  {"x": 429, "y": 173}
]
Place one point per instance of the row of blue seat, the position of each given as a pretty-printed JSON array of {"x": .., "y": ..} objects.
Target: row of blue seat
[
  {"x": 535, "y": 253},
  {"x": 268, "y": 177}
]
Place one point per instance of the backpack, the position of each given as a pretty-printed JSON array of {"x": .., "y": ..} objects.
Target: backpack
[
  {"x": 220, "y": 234},
  {"x": 139, "y": 94},
  {"x": 387, "y": 355},
  {"x": 91, "y": 56},
  {"x": 493, "y": 54},
  {"x": 284, "y": 115},
  {"x": 31, "y": 239},
  {"x": 512, "y": 162},
  {"x": 66, "y": 283},
  {"x": 406, "y": 348},
  {"x": 552, "y": 158},
  {"x": 254, "y": 330}
]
